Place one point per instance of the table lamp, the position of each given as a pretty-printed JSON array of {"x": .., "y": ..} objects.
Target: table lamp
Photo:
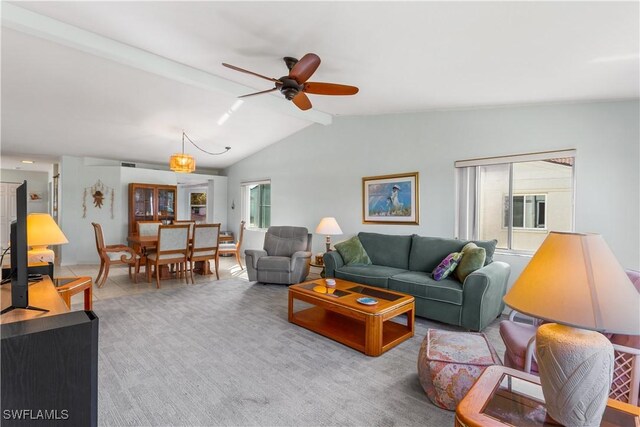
[
  {"x": 42, "y": 230},
  {"x": 575, "y": 281},
  {"x": 329, "y": 227}
]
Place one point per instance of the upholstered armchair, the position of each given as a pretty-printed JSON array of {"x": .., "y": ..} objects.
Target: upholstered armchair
[
  {"x": 520, "y": 339},
  {"x": 285, "y": 258}
]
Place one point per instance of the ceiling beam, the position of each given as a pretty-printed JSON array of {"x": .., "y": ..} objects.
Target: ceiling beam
[{"x": 25, "y": 21}]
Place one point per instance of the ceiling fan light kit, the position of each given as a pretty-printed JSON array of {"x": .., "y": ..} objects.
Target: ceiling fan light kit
[
  {"x": 186, "y": 163},
  {"x": 294, "y": 86}
]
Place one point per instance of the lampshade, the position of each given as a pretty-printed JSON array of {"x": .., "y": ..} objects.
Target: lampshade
[
  {"x": 182, "y": 163},
  {"x": 42, "y": 230},
  {"x": 328, "y": 226},
  {"x": 574, "y": 279}
]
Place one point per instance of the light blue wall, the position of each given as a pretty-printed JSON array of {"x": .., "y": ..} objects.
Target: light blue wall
[{"x": 317, "y": 172}]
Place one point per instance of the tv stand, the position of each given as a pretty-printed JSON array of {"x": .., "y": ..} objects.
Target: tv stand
[
  {"x": 29, "y": 307},
  {"x": 49, "y": 360},
  {"x": 41, "y": 294}
]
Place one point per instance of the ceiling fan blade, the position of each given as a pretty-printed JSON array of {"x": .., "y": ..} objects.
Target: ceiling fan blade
[
  {"x": 258, "y": 93},
  {"x": 302, "y": 101},
  {"x": 242, "y": 70},
  {"x": 305, "y": 68},
  {"x": 318, "y": 88}
]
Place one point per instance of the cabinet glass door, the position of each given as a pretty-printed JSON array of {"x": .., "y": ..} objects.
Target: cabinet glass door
[
  {"x": 143, "y": 204},
  {"x": 166, "y": 205}
]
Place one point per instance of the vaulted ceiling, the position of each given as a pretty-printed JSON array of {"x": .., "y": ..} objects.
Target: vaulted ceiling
[{"x": 121, "y": 80}]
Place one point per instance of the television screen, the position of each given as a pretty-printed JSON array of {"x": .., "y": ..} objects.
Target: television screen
[{"x": 19, "y": 272}]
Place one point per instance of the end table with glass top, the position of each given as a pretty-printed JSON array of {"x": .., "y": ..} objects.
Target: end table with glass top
[{"x": 506, "y": 397}]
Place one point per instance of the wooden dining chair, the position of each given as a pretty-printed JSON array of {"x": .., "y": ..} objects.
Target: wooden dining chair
[
  {"x": 233, "y": 248},
  {"x": 147, "y": 228},
  {"x": 173, "y": 248},
  {"x": 113, "y": 254},
  {"x": 205, "y": 247},
  {"x": 186, "y": 221}
]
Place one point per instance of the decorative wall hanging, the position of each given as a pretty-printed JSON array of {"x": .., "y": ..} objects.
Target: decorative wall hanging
[
  {"x": 99, "y": 192},
  {"x": 36, "y": 196},
  {"x": 390, "y": 199}
]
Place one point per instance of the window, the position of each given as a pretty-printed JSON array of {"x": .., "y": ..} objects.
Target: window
[
  {"x": 256, "y": 206},
  {"x": 528, "y": 211},
  {"x": 515, "y": 199}
]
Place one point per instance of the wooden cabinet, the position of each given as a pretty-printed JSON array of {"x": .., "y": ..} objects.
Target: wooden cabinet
[{"x": 151, "y": 202}]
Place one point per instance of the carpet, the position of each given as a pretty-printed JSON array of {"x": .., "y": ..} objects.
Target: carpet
[{"x": 223, "y": 353}]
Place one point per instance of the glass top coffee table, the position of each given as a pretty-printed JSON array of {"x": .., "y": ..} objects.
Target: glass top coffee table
[
  {"x": 506, "y": 397},
  {"x": 337, "y": 314}
]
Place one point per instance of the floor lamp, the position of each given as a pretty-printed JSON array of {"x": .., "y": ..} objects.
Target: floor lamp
[{"x": 575, "y": 281}]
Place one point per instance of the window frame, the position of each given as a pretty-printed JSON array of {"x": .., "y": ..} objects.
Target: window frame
[
  {"x": 467, "y": 191},
  {"x": 245, "y": 194}
]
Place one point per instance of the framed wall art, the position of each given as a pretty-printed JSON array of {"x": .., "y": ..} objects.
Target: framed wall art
[{"x": 390, "y": 199}]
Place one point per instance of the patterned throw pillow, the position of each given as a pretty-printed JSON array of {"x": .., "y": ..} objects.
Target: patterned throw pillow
[
  {"x": 472, "y": 259},
  {"x": 446, "y": 266},
  {"x": 352, "y": 251}
]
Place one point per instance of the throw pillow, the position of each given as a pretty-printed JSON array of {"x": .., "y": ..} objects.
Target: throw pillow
[
  {"x": 352, "y": 251},
  {"x": 446, "y": 266},
  {"x": 472, "y": 259}
]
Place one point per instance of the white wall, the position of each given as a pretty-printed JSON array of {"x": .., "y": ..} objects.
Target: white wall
[
  {"x": 317, "y": 172},
  {"x": 36, "y": 182},
  {"x": 77, "y": 173}
]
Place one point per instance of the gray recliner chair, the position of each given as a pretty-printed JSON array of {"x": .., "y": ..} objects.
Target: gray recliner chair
[{"x": 285, "y": 258}]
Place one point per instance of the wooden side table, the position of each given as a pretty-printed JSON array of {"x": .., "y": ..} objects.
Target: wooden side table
[
  {"x": 506, "y": 397},
  {"x": 69, "y": 286},
  {"x": 321, "y": 266}
]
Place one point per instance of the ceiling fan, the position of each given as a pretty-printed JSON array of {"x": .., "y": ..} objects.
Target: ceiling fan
[{"x": 295, "y": 86}]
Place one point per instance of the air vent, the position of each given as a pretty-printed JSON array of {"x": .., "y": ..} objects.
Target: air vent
[{"x": 128, "y": 165}]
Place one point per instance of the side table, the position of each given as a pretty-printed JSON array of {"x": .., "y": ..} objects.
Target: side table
[
  {"x": 321, "y": 266},
  {"x": 506, "y": 397},
  {"x": 69, "y": 286}
]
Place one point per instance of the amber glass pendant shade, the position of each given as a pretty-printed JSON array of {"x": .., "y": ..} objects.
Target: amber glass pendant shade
[{"x": 182, "y": 163}]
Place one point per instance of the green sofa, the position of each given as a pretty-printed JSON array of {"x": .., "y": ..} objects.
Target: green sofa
[{"x": 405, "y": 263}]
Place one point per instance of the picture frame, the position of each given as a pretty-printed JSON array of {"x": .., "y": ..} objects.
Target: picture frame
[{"x": 391, "y": 199}]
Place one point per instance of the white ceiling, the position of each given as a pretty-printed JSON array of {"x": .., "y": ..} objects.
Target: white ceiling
[{"x": 409, "y": 56}]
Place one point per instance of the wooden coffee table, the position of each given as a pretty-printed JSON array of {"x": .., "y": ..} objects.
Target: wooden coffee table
[{"x": 337, "y": 314}]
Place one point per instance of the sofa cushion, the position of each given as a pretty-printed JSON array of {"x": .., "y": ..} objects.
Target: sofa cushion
[
  {"x": 388, "y": 250},
  {"x": 427, "y": 252},
  {"x": 446, "y": 266},
  {"x": 472, "y": 259},
  {"x": 489, "y": 247},
  {"x": 420, "y": 284},
  {"x": 352, "y": 252},
  {"x": 374, "y": 275},
  {"x": 274, "y": 263}
]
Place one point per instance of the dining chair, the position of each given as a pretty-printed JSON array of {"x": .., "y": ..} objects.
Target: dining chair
[
  {"x": 147, "y": 228},
  {"x": 233, "y": 248},
  {"x": 186, "y": 221},
  {"x": 520, "y": 342},
  {"x": 173, "y": 248},
  {"x": 113, "y": 254},
  {"x": 205, "y": 247}
]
